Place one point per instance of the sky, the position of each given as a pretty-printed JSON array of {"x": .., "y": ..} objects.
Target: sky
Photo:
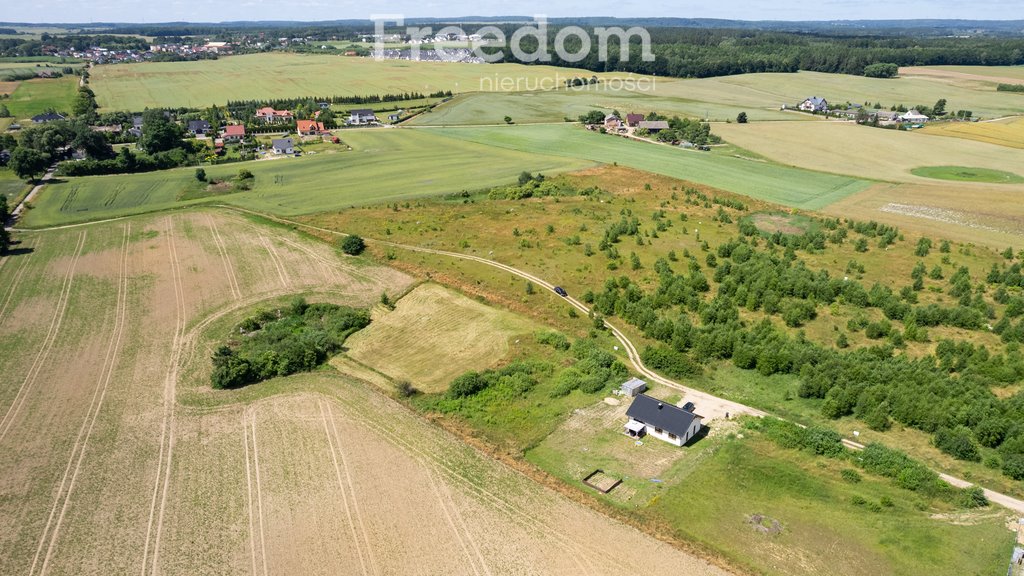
[{"x": 85, "y": 11}]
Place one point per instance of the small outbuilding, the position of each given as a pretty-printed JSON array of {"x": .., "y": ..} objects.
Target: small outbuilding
[
  {"x": 633, "y": 386},
  {"x": 663, "y": 421}
]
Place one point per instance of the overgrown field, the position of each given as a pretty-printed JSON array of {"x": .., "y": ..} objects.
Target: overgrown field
[
  {"x": 758, "y": 179},
  {"x": 119, "y": 456},
  {"x": 287, "y": 75},
  {"x": 619, "y": 246},
  {"x": 384, "y": 165},
  {"x": 434, "y": 335}
]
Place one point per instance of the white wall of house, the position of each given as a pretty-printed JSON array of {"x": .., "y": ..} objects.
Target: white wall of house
[{"x": 672, "y": 438}]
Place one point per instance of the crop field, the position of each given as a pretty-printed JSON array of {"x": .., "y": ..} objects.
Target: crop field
[
  {"x": 758, "y": 179},
  {"x": 876, "y": 153},
  {"x": 120, "y": 458},
  {"x": 1007, "y": 74},
  {"x": 384, "y": 165},
  {"x": 1005, "y": 132},
  {"x": 555, "y": 106},
  {"x": 38, "y": 95},
  {"x": 968, "y": 174},
  {"x": 433, "y": 323},
  {"x": 267, "y": 76}
]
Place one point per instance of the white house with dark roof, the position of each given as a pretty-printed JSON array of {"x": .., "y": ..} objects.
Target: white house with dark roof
[
  {"x": 914, "y": 117},
  {"x": 814, "y": 104},
  {"x": 362, "y": 116},
  {"x": 672, "y": 424},
  {"x": 283, "y": 146}
]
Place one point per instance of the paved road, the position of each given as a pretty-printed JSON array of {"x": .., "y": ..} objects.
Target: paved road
[{"x": 16, "y": 213}]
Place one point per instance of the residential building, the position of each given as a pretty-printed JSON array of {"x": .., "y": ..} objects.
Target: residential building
[
  {"x": 270, "y": 116},
  {"x": 650, "y": 416},
  {"x": 310, "y": 128},
  {"x": 46, "y": 117},
  {"x": 283, "y": 146},
  {"x": 233, "y": 133},
  {"x": 914, "y": 117},
  {"x": 198, "y": 127},
  {"x": 612, "y": 122},
  {"x": 814, "y": 104},
  {"x": 362, "y": 116}
]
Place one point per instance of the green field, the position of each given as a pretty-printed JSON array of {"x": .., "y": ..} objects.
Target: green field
[
  {"x": 719, "y": 99},
  {"x": 762, "y": 180},
  {"x": 11, "y": 186},
  {"x": 384, "y": 166},
  {"x": 287, "y": 75},
  {"x": 968, "y": 174},
  {"x": 39, "y": 95}
]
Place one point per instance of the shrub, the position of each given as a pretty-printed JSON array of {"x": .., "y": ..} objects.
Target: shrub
[
  {"x": 556, "y": 340},
  {"x": 1013, "y": 466},
  {"x": 958, "y": 443},
  {"x": 973, "y": 497},
  {"x": 405, "y": 389},
  {"x": 467, "y": 385},
  {"x": 353, "y": 245},
  {"x": 200, "y": 174}
]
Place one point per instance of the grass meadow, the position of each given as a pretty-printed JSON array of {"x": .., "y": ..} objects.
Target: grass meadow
[
  {"x": 38, "y": 95},
  {"x": 383, "y": 166},
  {"x": 761, "y": 180}
]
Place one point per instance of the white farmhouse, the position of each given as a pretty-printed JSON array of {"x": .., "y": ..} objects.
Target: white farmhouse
[{"x": 666, "y": 422}]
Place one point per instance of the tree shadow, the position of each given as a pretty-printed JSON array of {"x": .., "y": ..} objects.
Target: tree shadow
[{"x": 15, "y": 249}]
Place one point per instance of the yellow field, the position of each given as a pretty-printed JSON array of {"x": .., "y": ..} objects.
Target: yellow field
[
  {"x": 432, "y": 323},
  {"x": 1004, "y": 132}
]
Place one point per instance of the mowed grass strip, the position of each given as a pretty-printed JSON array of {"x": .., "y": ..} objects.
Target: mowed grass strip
[
  {"x": 384, "y": 166},
  {"x": 762, "y": 180},
  {"x": 435, "y": 334},
  {"x": 285, "y": 75}
]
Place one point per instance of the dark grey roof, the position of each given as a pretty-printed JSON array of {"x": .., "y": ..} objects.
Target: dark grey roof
[
  {"x": 49, "y": 116},
  {"x": 198, "y": 125},
  {"x": 283, "y": 143},
  {"x": 654, "y": 412},
  {"x": 363, "y": 112}
]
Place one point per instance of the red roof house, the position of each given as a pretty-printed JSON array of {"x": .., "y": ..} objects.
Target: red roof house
[
  {"x": 310, "y": 128},
  {"x": 268, "y": 114},
  {"x": 234, "y": 132}
]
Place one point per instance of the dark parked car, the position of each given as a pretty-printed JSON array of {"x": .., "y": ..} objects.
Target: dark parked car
[
  {"x": 561, "y": 291},
  {"x": 689, "y": 406}
]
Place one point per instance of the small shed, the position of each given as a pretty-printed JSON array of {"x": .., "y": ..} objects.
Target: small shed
[{"x": 633, "y": 386}]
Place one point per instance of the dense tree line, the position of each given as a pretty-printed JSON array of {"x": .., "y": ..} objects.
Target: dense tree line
[
  {"x": 285, "y": 341},
  {"x": 692, "y": 52}
]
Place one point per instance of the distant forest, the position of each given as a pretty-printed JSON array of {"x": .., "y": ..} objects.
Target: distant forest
[{"x": 686, "y": 52}]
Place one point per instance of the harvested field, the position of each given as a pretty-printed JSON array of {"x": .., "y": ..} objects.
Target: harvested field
[
  {"x": 120, "y": 459},
  {"x": 433, "y": 323}
]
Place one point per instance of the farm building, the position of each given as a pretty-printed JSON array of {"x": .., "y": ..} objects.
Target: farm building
[
  {"x": 233, "y": 132},
  {"x": 283, "y": 146},
  {"x": 633, "y": 120},
  {"x": 653, "y": 126},
  {"x": 611, "y": 122},
  {"x": 198, "y": 127},
  {"x": 362, "y": 116},
  {"x": 270, "y": 116},
  {"x": 814, "y": 104},
  {"x": 633, "y": 387},
  {"x": 663, "y": 421}
]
